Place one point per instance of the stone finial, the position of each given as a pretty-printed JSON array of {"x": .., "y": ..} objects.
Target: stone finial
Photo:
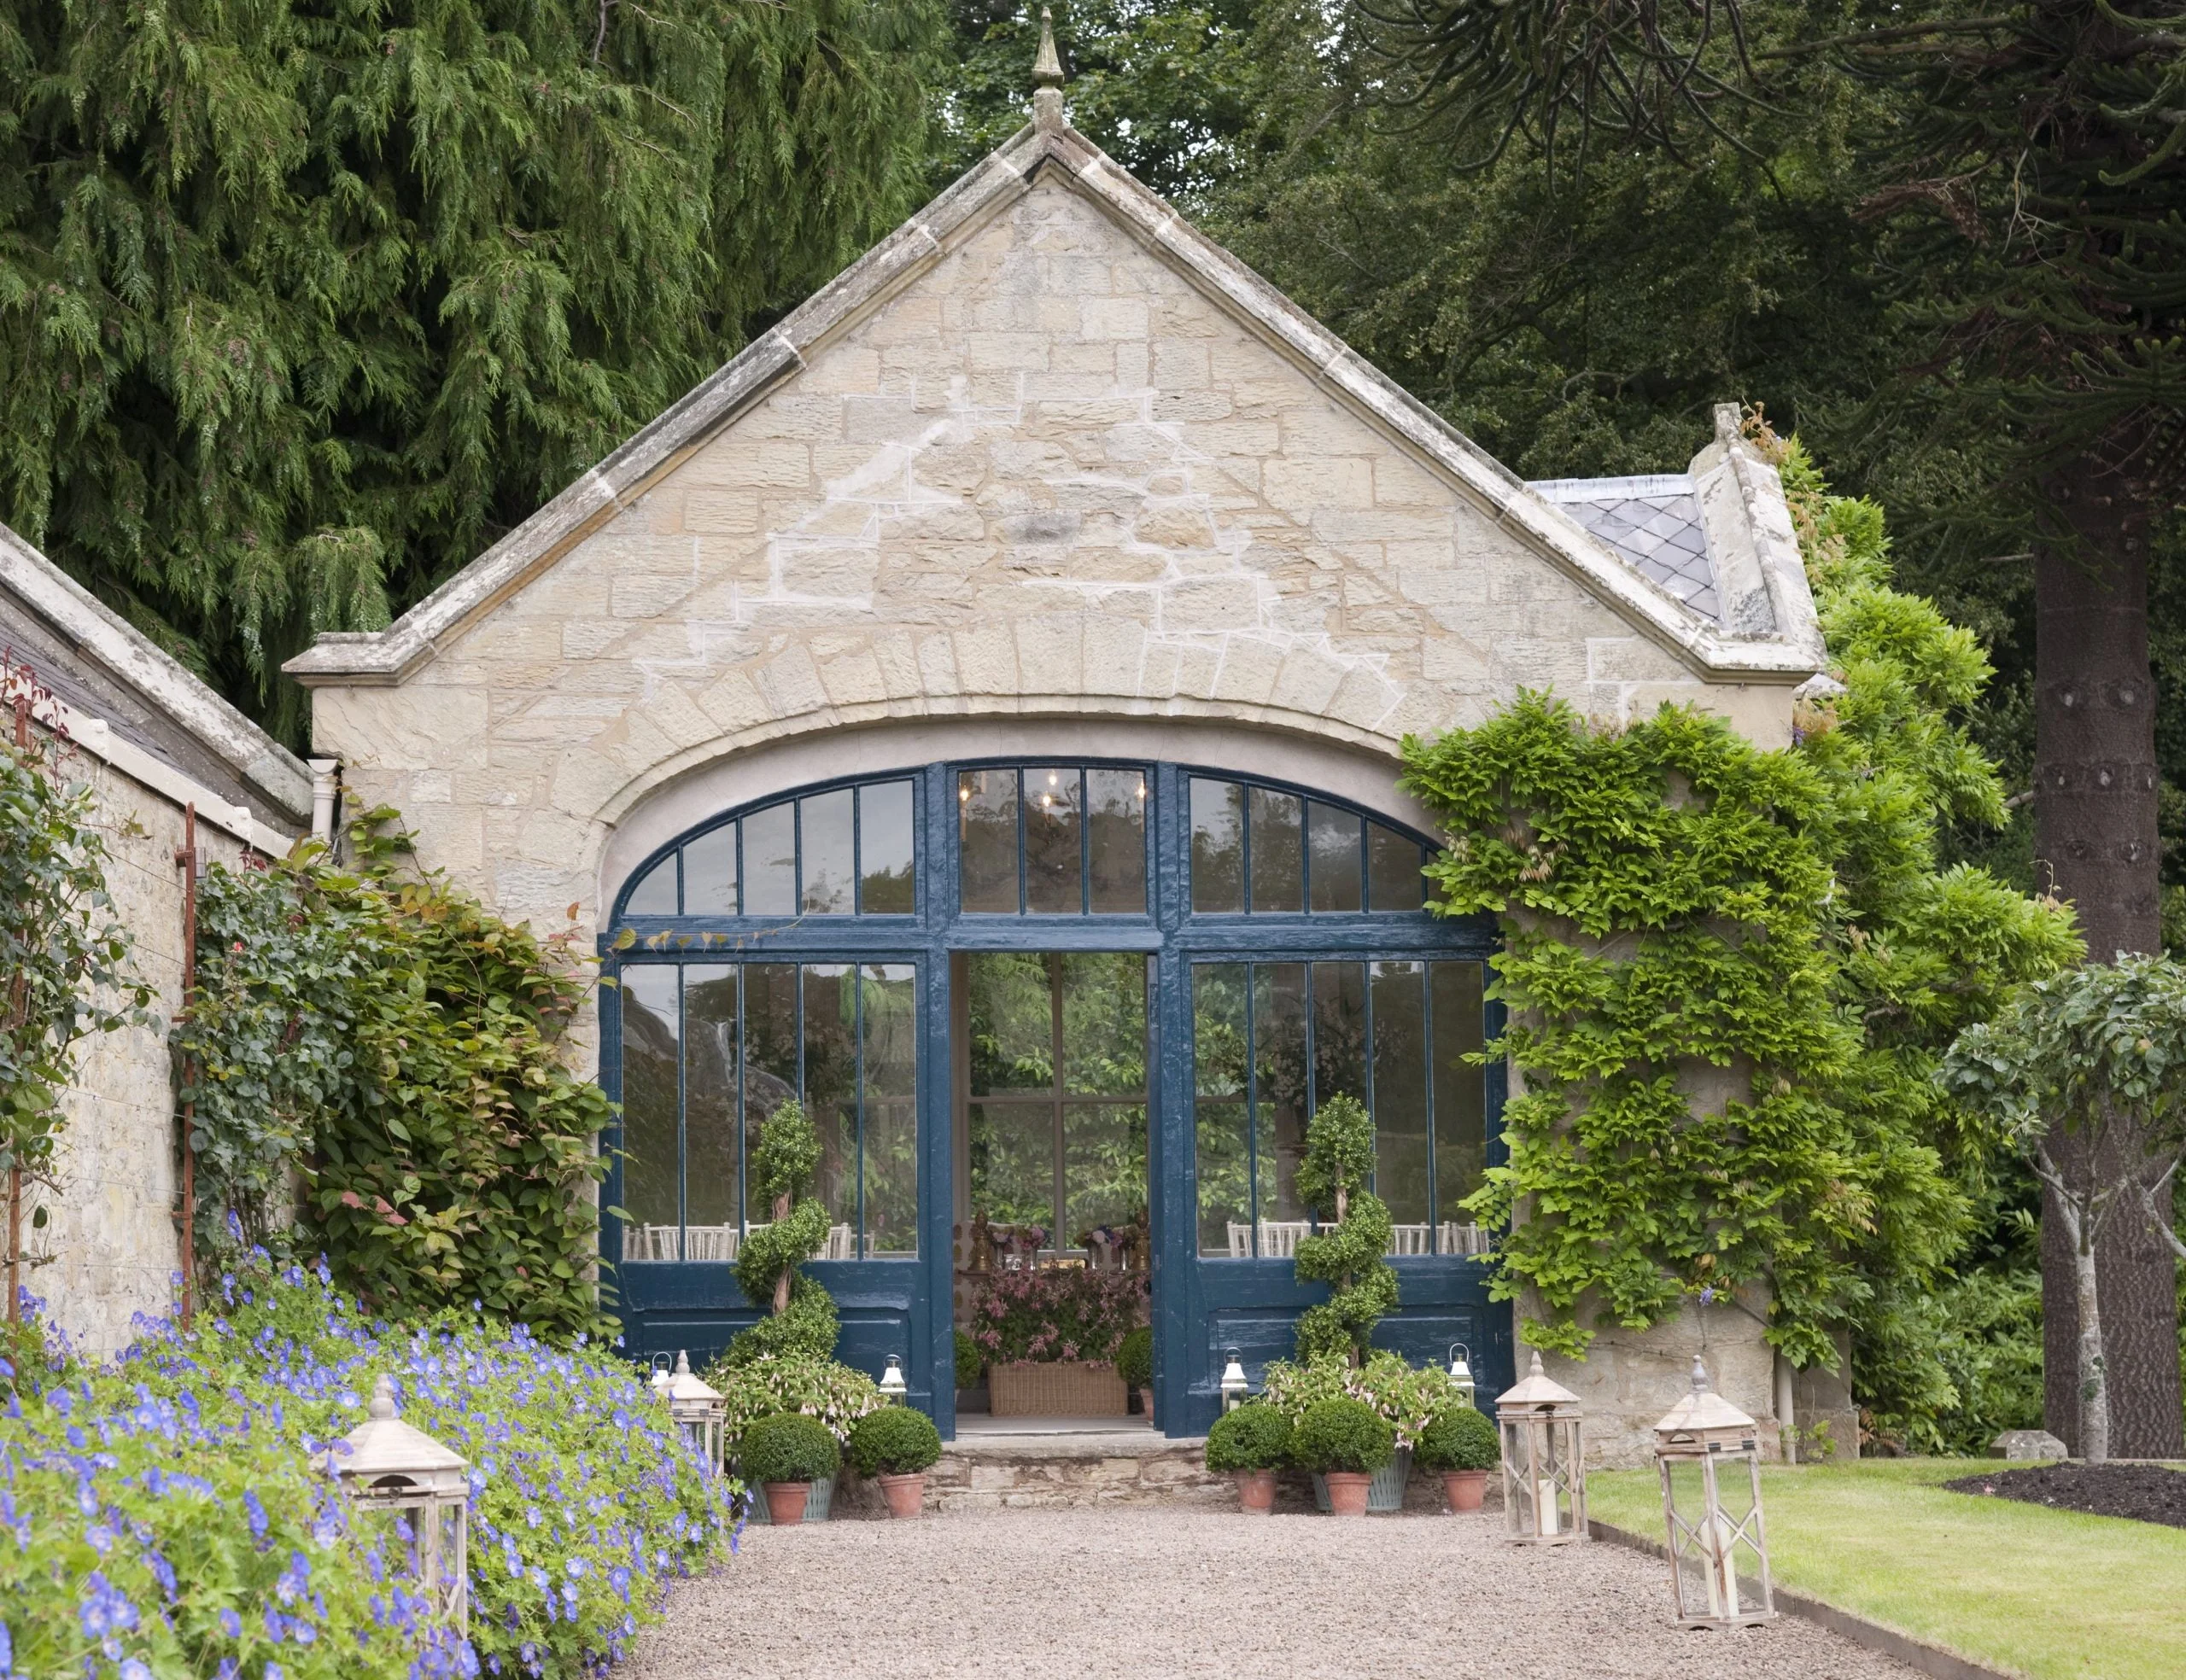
[{"x": 1046, "y": 76}]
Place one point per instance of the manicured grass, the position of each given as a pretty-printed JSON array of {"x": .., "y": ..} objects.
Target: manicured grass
[{"x": 2051, "y": 1594}]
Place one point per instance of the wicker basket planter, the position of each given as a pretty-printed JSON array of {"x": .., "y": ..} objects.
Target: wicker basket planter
[{"x": 1056, "y": 1388}]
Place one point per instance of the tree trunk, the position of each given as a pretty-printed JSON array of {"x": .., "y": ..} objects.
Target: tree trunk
[
  {"x": 2095, "y": 779},
  {"x": 2088, "y": 1362},
  {"x": 781, "y": 1283}
]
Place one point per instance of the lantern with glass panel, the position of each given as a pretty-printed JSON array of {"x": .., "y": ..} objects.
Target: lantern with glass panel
[
  {"x": 1544, "y": 1461},
  {"x": 697, "y": 1408},
  {"x": 1709, "y": 1452},
  {"x": 412, "y": 1497}
]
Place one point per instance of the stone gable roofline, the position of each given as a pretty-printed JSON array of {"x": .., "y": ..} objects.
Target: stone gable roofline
[
  {"x": 1767, "y": 631},
  {"x": 91, "y": 630}
]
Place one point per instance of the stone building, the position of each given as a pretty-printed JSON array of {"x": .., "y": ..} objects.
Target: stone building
[
  {"x": 976, "y": 709},
  {"x": 154, "y": 743}
]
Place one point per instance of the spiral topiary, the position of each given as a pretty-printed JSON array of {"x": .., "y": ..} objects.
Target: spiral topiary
[
  {"x": 801, "y": 1317},
  {"x": 1347, "y": 1256}
]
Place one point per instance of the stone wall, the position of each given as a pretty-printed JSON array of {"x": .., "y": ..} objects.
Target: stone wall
[
  {"x": 1048, "y": 477},
  {"x": 111, "y": 1247}
]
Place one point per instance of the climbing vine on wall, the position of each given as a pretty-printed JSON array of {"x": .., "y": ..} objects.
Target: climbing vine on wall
[
  {"x": 1730, "y": 972},
  {"x": 381, "y": 1075}
]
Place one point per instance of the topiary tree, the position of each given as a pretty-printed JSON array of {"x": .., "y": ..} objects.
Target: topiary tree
[
  {"x": 1332, "y": 1179},
  {"x": 802, "y": 1313}
]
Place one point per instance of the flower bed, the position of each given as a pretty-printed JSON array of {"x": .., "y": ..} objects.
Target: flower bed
[
  {"x": 1057, "y": 1312},
  {"x": 172, "y": 1515}
]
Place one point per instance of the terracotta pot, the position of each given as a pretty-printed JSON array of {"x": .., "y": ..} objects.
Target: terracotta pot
[
  {"x": 1464, "y": 1489},
  {"x": 906, "y": 1494},
  {"x": 1146, "y": 1404},
  {"x": 1348, "y": 1492},
  {"x": 1256, "y": 1491},
  {"x": 786, "y": 1502}
]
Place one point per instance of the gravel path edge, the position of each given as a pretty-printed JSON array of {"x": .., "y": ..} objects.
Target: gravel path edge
[{"x": 1930, "y": 1659}]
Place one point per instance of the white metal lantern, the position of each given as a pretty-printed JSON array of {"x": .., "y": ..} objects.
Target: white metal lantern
[
  {"x": 663, "y": 1374},
  {"x": 698, "y": 1410},
  {"x": 1710, "y": 1452},
  {"x": 1461, "y": 1372},
  {"x": 1234, "y": 1385},
  {"x": 893, "y": 1388},
  {"x": 415, "y": 1493},
  {"x": 1544, "y": 1461}
]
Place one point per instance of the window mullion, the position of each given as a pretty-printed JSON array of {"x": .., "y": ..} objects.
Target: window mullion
[
  {"x": 1251, "y": 1103},
  {"x": 682, "y": 1156}
]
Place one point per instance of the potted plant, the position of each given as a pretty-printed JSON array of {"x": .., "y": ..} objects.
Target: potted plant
[
  {"x": 1461, "y": 1446},
  {"x": 896, "y": 1446},
  {"x": 1135, "y": 1365},
  {"x": 1049, "y": 1336},
  {"x": 1408, "y": 1398},
  {"x": 835, "y": 1394},
  {"x": 971, "y": 1375},
  {"x": 785, "y": 1454},
  {"x": 1252, "y": 1444},
  {"x": 1344, "y": 1441}
]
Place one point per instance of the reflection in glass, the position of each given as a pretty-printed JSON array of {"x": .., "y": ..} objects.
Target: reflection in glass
[
  {"x": 1053, "y": 848},
  {"x": 1010, "y": 1019},
  {"x": 650, "y": 1057},
  {"x": 770, "y": 861},
  {"x": 986, "y": 807},
  {"x": 1013, "y": 1156},
  {"x": 1279, "y": 1086},
  {"x": 770, "y": 1055},
  {"x": 889, "y": 1011},
  {"x": 830, "y": 859},
  {"x": 1218, "y": 845},
  {"x": 1393, "y": 881},
  {"x": 1401, "y": 1098},
  {"x": 1339, "y": 1030},
  {"x": 1222, "y": 1137},
  {"x": 712, "y": 1177},
  {"x": 1460, "y": 1106},
  {"x": 884, "y": 841},
  {"x": 1278, "y": 851},
  {"x": 1333, "y": 837},
  {"x": 654, "y": 896},
  {"x": 1115, "y": 802},
  {"x": 710, "y": 873},
  {"x": 831, "y": 1084},
  {"x": 1103, "y": 1165},
  {"x": 1104, "y": 1022}
]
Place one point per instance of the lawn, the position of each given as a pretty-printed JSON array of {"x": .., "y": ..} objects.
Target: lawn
[{"x": 2050, "y": 1595}]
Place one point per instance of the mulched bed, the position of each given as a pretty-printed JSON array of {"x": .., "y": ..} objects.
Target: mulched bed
[{"x": 2144, "y": 1492}]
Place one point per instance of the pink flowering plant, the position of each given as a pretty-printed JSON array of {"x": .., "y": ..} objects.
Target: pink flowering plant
[
  {"x": 173, "y": 1513},
  {"x": 1056, "y": 1313}
]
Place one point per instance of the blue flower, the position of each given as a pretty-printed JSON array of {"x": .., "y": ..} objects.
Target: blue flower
[
  {"x": 231, "y": 1624},
  {"x": 133, "y": 1669},
  {"x": 256, "y": 1510}
]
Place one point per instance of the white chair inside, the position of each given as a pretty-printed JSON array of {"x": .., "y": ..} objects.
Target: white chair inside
[
  {"x": 1461, "y": 1239},
  {"x": 1279, "y": 1237},
  {"x": 841, "y": 1244},
  {"x": 649, "y": 1242},
  {"x": 711, "y": 1242},
  {"x": 1412, "y": 1239}
]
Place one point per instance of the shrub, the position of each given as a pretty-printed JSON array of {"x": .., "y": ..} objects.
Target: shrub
[
  {"x": 1061, "y": 1312},
  {"x": 789, "y": 1447},
  {"x": 819, "y": 1388},
  {"x": 1406, "y": 1398},
  {"x": 1134, "y": 1358},
  {"x": 801, "y": 1314},
  {"x": 970, "y": 1364},
  {"x": 1459, "y": 1439},
  {"x": 1342, "y": 1435},
  {"x": 1345, "y": 1253},
  {"x": 173, "y": 1514},
  {"x": 1254, "y": 1436},
  {"x": 894, "y": 1441}
]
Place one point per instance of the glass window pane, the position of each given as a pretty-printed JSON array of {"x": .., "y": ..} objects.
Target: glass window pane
[
  {"x": 831, "y": 1095},
  {"x": 654, "y": 896},
  {"x": 1338, "y": 856},
  {"x": 1279, "y": 1085},
  {"x": 1339, "y": 1030},
  {"x": 1055, "y": 862},
  {"x": 1394, "y": 880},
  {"x": 1009, "y": 1010},
  {"x": 1104, "y": 1167},
  {"x": 986, "y": 811},
  {"x": 713, "y": 1190},
  {"x": 709, "y": 874},
  {"x": 653, "y": 1163},
  {"x": 770, "y": 861},
  {"x": 1460, "y": 1105},
  {"x": 830, "y": 864},
  {"x": 1221, "y": 1131},
  {"x": 1104, "y": 1023},
  {"x": 892, "y": 1113},
  {"x": 1012, "y": 1151},
  {"x": 1218, "y": 1030},
  {"x": 884, "y": 842},
  {"x": 1278, "y": 851},
  {"x": 771, "y": 1057},
  {"x": 1218, "y": 845},
  {"x": 1115, "y": 802},
  {"x": 1400, "y": 1102}
]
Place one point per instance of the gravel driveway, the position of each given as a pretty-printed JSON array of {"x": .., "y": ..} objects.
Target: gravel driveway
[{"x": 1151, "y": 1592}]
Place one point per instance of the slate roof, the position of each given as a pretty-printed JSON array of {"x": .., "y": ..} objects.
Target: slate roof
[{"x": 1653, "y": 524}]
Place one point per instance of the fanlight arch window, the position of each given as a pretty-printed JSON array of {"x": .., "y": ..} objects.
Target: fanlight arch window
[{"x": 847, "y": 851}]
